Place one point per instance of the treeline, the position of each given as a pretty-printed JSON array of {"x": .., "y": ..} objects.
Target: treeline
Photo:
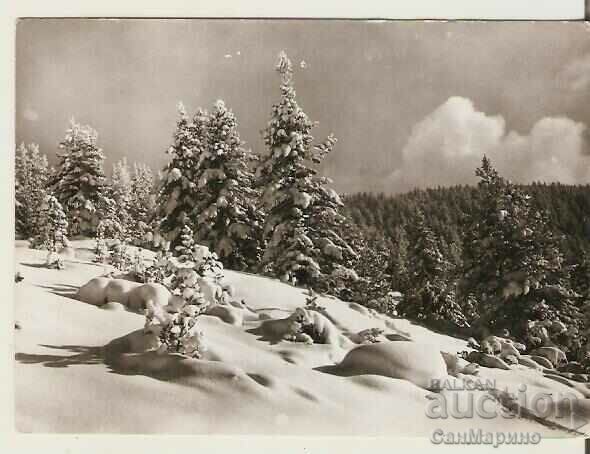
[
  {"x": 445, "y": 209},
  {"x": 122, "y": 205}
]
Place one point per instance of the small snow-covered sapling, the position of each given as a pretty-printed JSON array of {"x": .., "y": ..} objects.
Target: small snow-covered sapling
[{"x": 311, "y": 302}]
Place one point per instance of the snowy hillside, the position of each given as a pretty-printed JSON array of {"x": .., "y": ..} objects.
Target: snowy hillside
[{"x": 81, "y": 368}]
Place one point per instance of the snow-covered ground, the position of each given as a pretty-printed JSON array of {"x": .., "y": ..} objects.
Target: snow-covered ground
[{"x": 78, "y": 368}]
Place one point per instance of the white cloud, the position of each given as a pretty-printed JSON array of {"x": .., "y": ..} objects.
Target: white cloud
[
  {"x": 30, "y": 114},
  {"x": 447, "y": 145}
]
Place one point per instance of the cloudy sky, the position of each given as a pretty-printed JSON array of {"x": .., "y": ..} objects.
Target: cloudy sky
[{"x": 412, "y": 104}]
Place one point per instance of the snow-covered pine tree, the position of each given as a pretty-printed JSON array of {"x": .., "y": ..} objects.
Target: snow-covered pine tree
[
  {"x": 301, "y": 213},
  {"x": 101, "y": 249},
  {"x": 142, "y": 206},
  {"x": 31, "y": 177},
  {"x": 111, "y": 224},
  {"x": 372, "y": 265},
  {"x": 119, "y": 255},
  {"x": 399, "y": 260},
  {"x": 184, "y": 249},
  {"x": 80, "y": 183},
  {"x": 513, "y": 263},
  {"x": 121, "y": 193},
  {"x": 430, "y": 296},
  {"x": 227, "y": 219},
  {"x": 425, "y": 260},
  {"x": 178, "y": 192},
  {"x": 52, "y": 234},
  {"x": 453, "y": 253},
  {"x": 109, "y": 227}
]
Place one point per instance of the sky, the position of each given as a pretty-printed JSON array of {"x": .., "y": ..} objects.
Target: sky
[{"x": 413, "y": 104}]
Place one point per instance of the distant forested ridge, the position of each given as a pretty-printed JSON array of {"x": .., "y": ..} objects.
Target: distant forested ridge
[{"x": 566, "y": 207}]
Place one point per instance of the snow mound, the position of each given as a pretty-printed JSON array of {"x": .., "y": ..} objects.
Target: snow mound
[
  {"x": 133, "y": 295},
  {"x": 94, "y": 291},
  {"x": 417, "y": 363},
  {"x": 316, "y": 327},
  {"x": 133, "y": 354},
  {"x": 228, "y": 314},
  {"x": 142, "y": 296}
]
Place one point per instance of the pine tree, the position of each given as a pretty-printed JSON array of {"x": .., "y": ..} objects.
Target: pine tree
[
  {"x": 179, "y": 193},
  {"x": 111, "y": 224},
  {"x": 425, "y": 260},
  {"x": 31, "y": 177},
  {"x": 122, "y": 194},
  {"x": 430, "y": 296},
  {"x": 142, "y": 204},
  {"x": 184, "y": 250},
  {"x": 109, "y": 228},
  {"x": 513, "y": 264},
  {"x": 80, "y": 183},
  {"x": 119, "y": 256},
  {"x": 372, "y": 265},
  {"x": 101, "y": 249},
  {"x": 52, "y": 234},
  {"x": 453, "y": 252},
  {"x": 399, "y": 261},
  {"x": 228, "y": 221},
  {"x": 301, "y": 213}
]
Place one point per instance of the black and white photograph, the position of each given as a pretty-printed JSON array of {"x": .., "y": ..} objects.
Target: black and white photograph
[{"x": 302, "y": 227}]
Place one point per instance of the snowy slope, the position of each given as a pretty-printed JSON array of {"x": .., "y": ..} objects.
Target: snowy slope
[{"x": 80, "y": 368}]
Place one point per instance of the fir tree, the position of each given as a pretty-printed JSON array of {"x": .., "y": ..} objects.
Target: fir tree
[
  {"x": 179, "y": 192},
  {"x": 31, "y": 177},
  {"x": 111, "y": 224},
  {"x": 399, "y": 261},
  {"x": 372, "y": 265},
  {"x": 80, "y": 183},
  {"x": 453, "y": 251},
  {"x": 430, "y": 296},
  {"x": 301, "y": 213},
  {"x": 121, "y": 191},
  {"x": 52, "y": 234},
  {"x": 142, "y": 204},
  {"x": 227, "y": 221},
  {"x": 119, "y": 257},
  {"x": 425, "y": 260},
  {"x": 101, "y": 249},
  {"x": 184, "y": 250},
  {"x": 513, "y": 264}
]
